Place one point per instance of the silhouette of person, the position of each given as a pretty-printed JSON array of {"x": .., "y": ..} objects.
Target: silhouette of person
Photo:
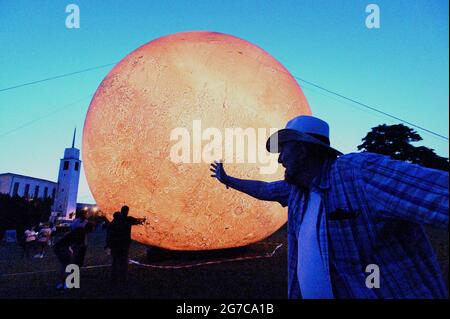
[
  {"x": 118, "y": 240},
  {"x": 30, "y": 240},
  {"x": 67, "y": 250},
  {"x": 79, "y": 250},
  {"x": 79, "y": 221},
  {"x": 350, "y": 212},
  {"x": 44, "y": 238}
]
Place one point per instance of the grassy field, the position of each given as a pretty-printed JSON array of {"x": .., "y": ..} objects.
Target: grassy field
[
  {"x": 238, "y": 273},
  {"x": 243, "y": 273}
]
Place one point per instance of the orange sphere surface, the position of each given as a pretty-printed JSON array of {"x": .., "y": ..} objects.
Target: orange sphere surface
[{"x": 179, "y": 82}]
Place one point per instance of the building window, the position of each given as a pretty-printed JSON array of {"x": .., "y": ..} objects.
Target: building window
[
  {"x": 66, "y": 165},
  {"x": 53, "y": 195},
  {"x": 16, "y": 188},
  {"x": 36, "y": 191},
  {"x": 77, "y": 165},
  {"x": 45, "y": 193},
  {"x": 27, "y": 190}
]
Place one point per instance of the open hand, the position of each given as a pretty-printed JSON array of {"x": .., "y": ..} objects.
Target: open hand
[{"x": 219, "y": 172}]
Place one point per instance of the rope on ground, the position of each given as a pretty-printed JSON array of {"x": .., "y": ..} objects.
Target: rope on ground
[
  {"x": 268, "y": 255},
  {"x": 134, "y": 262}
]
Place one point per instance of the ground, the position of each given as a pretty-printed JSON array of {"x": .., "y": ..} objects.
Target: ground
[
  {"x": 256, "y": 271},
  {"x": 210, "y": 275}
]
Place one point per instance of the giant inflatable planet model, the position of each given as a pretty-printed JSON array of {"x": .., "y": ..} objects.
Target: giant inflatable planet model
[{"x": 162, "y": 114}]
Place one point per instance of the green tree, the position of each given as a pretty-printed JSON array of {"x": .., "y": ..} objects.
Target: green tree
[{"x": 395, "y": 141}]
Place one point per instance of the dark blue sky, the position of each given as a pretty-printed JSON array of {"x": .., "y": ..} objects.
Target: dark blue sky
[{"x": 401, "y": 68}]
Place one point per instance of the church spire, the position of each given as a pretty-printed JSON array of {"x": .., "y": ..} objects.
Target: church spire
[{"x": 74, "y": 133}]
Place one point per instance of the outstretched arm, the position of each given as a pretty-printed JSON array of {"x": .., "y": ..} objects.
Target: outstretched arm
[
  {"x": 406, "y": 191},
  {"x": 273, "y": 191},
  {"x": 136, "y": 221}
]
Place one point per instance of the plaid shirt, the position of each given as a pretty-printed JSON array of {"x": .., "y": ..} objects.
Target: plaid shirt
[{"x": 374, "y": 212}]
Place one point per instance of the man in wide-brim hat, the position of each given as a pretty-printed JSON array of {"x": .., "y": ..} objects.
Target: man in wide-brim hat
[{"x": 355, "y": 221}]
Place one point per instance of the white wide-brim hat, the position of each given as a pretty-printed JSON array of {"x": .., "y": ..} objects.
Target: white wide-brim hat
[{"x": 303, "y": 128}]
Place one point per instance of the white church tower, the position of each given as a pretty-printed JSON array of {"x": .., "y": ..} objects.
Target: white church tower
[{"x": 65, "y": 203}]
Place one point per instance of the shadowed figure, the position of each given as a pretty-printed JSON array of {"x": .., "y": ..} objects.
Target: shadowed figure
[
  {"x": 349, "y": 213},
  {"x": 44, "y": 239},
  {"x": 30, "y": 236},
  {"x": 67, "y": 250},
  {"x": 79, "y": 221},
  {"x": 118, "y": 240}
]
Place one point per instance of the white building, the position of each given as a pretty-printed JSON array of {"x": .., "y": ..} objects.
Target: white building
[
  {"x": 26, "y": 186},
  {"x": 63, "y": 193}
]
